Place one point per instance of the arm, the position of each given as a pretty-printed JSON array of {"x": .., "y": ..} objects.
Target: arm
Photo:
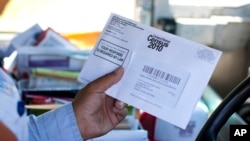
[
  {"x": 91, "y": 114},
  {"x": 56, "y": 125}
]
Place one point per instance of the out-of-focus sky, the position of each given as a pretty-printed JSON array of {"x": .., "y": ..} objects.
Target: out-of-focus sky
[
  {"x": 80, "y": 15},
  {"x": 63, "y": 15}
]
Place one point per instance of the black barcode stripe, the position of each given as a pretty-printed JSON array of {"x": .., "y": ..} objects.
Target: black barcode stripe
[
  {"x": 161, "y": 74},
  {"x": 173, "y": 79}
]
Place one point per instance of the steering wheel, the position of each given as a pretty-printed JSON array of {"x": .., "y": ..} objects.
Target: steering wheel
[{"x": 227, "y": 107}]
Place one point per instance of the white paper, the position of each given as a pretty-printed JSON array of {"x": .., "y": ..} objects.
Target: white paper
[
  {"x": 165, "y": 75},
  {"x": 55, "y": 40}
]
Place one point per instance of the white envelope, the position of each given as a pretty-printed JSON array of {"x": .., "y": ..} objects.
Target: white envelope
[{"x": 165, "y": 75}]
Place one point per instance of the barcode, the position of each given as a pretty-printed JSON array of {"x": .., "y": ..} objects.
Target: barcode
[{"x": 161, "y": 74}]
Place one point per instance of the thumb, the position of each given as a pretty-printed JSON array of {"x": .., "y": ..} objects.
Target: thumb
[{"x": 106, "y": 81}]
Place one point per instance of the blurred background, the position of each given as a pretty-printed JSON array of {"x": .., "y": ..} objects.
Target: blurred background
[{"x": 221, "y": 24}]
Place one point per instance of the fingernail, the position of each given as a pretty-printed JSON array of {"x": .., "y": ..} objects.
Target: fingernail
[
  {"x": 118, "y": 70},
  {"x": 122, "y": 105}
]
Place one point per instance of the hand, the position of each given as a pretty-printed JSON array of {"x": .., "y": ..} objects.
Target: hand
[{"x": 97, "y": 113}]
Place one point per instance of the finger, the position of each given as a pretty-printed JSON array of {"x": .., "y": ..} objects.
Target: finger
[
  {"x": 120, "y": 113},
  {"x": 120, "y": 104},
  {"x": 106, "y": 81}
]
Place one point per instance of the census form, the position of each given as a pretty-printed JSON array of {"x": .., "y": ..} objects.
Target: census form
[{"x": 165, "y": 75}]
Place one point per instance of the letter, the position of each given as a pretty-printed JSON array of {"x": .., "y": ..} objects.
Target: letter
[
  {"x": 149, "y": 37},
  {"x": 115, "y": 57},
  {"x": 165, "y": 44},
  {"x": 243, "y": 131},
  {"x": 237, "y": 132}
]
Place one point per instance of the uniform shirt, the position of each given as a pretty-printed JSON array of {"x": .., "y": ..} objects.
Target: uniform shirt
[
  {"x": 56, "y": 125},
  {"x": 12, "y": 109}
]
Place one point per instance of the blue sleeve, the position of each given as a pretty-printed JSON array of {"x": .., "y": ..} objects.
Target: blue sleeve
[{"x": 56, "y": 125}]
